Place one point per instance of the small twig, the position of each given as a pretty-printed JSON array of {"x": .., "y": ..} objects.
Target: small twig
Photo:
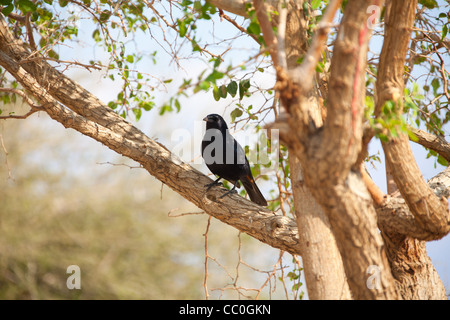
[
  {"x": 205, "y": 279},
  {"x": 122, "y": 164},
  {"x": 169, "y": 214},
  {"x": 34, "y": 108},
  {"x": 222, "y": 15},
  {"x": 26, "y": 115},
  {"x": 303, "y": 74},
  {"x": 30, "y": 32},
  {"x": 24, "y": 96},
  {"x": 6, "y": 158}
]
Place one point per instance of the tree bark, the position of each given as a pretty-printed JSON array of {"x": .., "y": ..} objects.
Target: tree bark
[
  {"x": 322, "y": 263},
  {"x": 333, "y": 180}
]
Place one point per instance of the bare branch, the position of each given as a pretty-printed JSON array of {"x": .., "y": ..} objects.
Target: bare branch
[
  {"x": 303, "y": 74},
  {"x": 30, "y": 32},
  {"x": 433, "y": 142},
  {"x": 266, "y": 28}
]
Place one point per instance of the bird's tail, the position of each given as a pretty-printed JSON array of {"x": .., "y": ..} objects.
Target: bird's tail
[{"x": 253, "y": 191}]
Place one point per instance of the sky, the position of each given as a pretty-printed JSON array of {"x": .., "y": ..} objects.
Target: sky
[{"x": 195, "y": 107}]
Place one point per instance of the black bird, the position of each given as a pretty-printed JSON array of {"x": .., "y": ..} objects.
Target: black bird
[{"x": 225, "y": 158}]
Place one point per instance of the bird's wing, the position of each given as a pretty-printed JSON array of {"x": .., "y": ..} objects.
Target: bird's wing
[{"x": 234, "y": 148}]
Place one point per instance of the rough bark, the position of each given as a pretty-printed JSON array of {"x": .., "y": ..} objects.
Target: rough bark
[
  {"x": 322, "y": 263},
  {"x": 430, "y": 211},
  {"x": 430, "y": 141},
  {"x": 333, "y": 181},
  {"x": 341, "y": 190}
]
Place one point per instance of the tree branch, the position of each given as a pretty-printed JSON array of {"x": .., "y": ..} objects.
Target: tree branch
[
  {"x": 433, "y": 142},
  {"x": 238, "y": 6},
  {"x": 266, "y": 28},
  {"x": 430, "y": 212},
  {"x": 394, "y": 215},
  {"x": 303, "y": 74}
]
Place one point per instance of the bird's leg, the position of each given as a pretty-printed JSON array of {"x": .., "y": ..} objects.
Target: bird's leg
[
  {"x": 233, "y": 190},
  {"x": 214, "y": 183}
]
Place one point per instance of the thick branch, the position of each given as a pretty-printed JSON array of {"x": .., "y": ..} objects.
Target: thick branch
[
  {"x": 395, "y": 216},
  {"x": 303, "y": 74},
  {"x": 430, "y": 212},
  {"x": 238, "y": 6},
  {"x": 266, "y": 27},
  {"x": 433, "y": 142}
]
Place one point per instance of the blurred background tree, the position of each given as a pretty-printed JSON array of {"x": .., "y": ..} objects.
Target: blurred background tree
[{"x": 68, "y": 200}]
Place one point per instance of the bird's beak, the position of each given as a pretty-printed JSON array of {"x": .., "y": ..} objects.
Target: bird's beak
[{"x": 205, "y": 119}]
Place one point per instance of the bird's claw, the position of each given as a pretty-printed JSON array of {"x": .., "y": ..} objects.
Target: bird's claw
[
  {"x": 212, "y": 184},
  {"x": 227, "y": 193}
]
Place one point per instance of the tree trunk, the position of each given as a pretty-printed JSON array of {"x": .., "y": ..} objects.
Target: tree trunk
[{"x": 322, "y": 262}]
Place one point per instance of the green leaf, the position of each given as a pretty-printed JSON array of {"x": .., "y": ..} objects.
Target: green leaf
[
  {"x": 442, "y": 161},
  {"x": 138, "y": 113},
  {"x": 96, "y": 35},
  {"x": 315, "y": 4},
  {"x": 177, "y": 105},
  {"x": 435, "y": 84},
  {"x": 8, "y": 9},
  {"x": 254, "y": 28},
  {"x": 244, "y": 85},
  {"x": 195, "y": 46},
  {"x": 236, "y": 113},
  {"x": 204, "y": 85},
  {"x": 215, "y": 75},
  {"x": 430, "y": 4},
  {"x": 444, "y": 31},
  {"x": 112, "y": 105},
  {"x": 182, "y": 27},
  {"x": 146, "y": 105},
  {"x": 26, "y": 6},
  {"x": 232, "y": 88},
  {"x": 104, "y": 16},
  {"x": 223, "y": 91},
  {"x": 216, "y": 93}
]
